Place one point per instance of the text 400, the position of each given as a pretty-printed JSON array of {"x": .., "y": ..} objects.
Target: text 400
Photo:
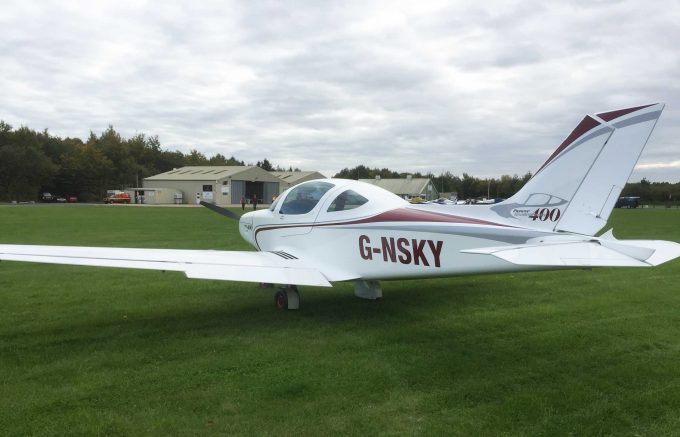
[{"x": 544, "y": 214}]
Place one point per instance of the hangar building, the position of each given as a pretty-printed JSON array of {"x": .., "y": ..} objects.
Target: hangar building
[
  {"x": 221, "y": 185},
  {"x": 407, "y": 188},
  {"x": 290, "y": 178}
]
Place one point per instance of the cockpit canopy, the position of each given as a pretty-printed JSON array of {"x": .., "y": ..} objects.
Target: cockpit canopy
[
  {"x": 333, "y": 196},
  {"x": 303, "y": 198},
  {"x": 348, "y": 199}
]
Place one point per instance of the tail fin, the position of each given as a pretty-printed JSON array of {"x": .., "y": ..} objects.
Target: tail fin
[{"x": 576, "y": 188}]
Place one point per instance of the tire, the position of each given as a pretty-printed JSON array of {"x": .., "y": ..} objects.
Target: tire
[{"x": 281, "y": 300}]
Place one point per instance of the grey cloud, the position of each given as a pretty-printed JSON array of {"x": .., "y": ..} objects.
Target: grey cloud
[{"x": 481, "y": 88}]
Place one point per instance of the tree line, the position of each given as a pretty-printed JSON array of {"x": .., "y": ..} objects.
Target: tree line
[
  {"x": 653, "y": 192},
  {"x": 470, "y": 187},
  {"x": 465, "y": 186},
  {"x": 32, "y": 162}
]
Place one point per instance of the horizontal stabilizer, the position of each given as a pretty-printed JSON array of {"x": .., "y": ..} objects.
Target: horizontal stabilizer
[
  {"x": 664, "y": 251},
  {"x": 200, "y": 264},
  {"x": 590, "y": 253}
]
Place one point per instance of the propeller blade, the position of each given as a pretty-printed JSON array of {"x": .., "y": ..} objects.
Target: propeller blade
[{"x": 221, "y": 211}]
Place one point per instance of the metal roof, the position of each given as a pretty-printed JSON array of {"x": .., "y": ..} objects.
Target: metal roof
[
  {"x": 200, "y": 173},
  {"x": 412, "y": 186},
  {"x": 293, "y": 176}
]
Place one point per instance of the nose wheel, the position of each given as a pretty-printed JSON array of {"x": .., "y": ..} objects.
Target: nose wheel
[{"x": 287, "y": 298}]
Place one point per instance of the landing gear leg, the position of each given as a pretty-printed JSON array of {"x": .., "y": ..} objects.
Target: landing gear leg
[
  {"x": 367, "y": 290},
  {"x": 287, "y": 298}
]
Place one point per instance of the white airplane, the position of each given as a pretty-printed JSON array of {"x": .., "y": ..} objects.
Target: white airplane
[{"x": 334, "y": 230}]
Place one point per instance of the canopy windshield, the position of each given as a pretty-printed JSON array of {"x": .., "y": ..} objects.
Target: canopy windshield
[{"x": 304, "y": 197}]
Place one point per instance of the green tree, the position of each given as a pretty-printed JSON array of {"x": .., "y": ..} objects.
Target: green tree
[
  {"x": 195, "y": 158},
  {"x": 234, "y": 161},
  {"x": 218, "y": 159},
  {"x": 5, "y": 133},
  {"x": 168, "y": 160},
  {"x": 125, "y": 169},
  {"x": 265, "y": 165},
  {"x": 24, "y": 167},
  {"x": 85, "y": 171}
]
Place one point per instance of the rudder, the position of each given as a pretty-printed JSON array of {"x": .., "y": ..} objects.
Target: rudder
[{"x": 576, "y": 188}]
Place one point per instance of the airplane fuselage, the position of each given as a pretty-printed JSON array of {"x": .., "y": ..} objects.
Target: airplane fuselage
[{"x": 391, "y": 240}]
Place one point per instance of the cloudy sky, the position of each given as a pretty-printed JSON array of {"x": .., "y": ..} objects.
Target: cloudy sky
[{"x": 487, "y": 88}]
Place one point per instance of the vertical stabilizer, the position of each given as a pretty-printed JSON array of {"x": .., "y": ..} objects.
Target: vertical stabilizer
[{"x": 576, "y": 188}]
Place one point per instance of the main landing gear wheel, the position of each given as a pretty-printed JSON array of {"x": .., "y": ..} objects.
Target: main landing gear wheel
[{"x": 287, "y": 298}]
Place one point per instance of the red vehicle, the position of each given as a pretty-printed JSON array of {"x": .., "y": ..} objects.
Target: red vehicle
[
  {"x": 70, "y": 198},
  {"x": 118, "y": 198}
]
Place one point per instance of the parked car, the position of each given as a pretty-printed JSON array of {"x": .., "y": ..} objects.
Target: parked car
[
  {"x": 70, "y": 198},
  {"x": 118, "y": 198},
  {"x": 443, "y": 201},
  {"x": 628, "y": 202},
  {"x": 48, "y": 197}
]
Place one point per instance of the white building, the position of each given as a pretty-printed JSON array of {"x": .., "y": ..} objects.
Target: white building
[{"x": 221, "y": 185}]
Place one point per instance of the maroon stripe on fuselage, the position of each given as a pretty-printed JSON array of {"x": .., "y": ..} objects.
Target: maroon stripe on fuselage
[
  {"x": 395, "y": 215},
  {"x": 414, "y": 215},
  {"x": 584, "y": 126},
  {"x": 611, "y": 115}
]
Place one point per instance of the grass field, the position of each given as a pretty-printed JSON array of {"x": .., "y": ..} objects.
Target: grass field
[{"x": 88, "y": 351}]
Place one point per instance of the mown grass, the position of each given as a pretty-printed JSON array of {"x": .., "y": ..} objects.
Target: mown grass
[{"x": 86, "y": 351}]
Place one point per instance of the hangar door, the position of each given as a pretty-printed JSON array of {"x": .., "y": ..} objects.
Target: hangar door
[
  {"x": 271, "y": 190},
  {"x": 263, "y": 190},
  {"x": 238, "y": 190}
]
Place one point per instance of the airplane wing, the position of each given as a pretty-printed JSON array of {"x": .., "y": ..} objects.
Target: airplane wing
[
  {"x": 270, "y": 267},
  {"x": 590, "y": 253}
]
